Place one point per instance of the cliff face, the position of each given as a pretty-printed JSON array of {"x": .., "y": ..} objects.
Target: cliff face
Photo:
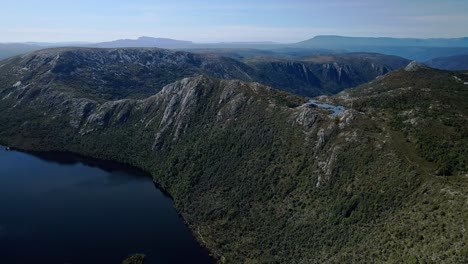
[
  {"x": 117, "y": 73},
  {"x": 262, "y": 176},
  {"x": 324, "y": 74}
]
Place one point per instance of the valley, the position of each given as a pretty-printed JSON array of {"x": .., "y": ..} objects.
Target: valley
[
  {"x": 257, "y": 173},
  {"x": 233, "y": 132}
]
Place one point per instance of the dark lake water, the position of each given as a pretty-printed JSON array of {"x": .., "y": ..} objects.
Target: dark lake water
[{"x": 60, "y": 208}]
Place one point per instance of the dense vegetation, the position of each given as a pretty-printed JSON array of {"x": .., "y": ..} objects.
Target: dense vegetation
[
  {"x": 261, "y": 178},
  {"x": 429, "y": 107}
]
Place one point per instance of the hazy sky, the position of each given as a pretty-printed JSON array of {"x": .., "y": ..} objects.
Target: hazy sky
[{"x": 219, "y": 20}]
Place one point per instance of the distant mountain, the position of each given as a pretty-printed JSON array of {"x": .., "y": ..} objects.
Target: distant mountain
[
  {"x": 343, "y": 42},
  {"x": 416, "y": 53},
  {"x": 235, "y": 53},
  {"x": 457, "y": 62},
  {"x": 409, "y": 48},
  {"x": 262, "y": 45},
  {"x": 413, "y": 49},
  {"x": 166, "y": 43},
  {"x": 146, "y": 42},
  {"x": 248, "y": 43},
  {"x": 248, "y": 53},
  {"x": 60, "y": 44},
  {"x": 13, "y": 49}
]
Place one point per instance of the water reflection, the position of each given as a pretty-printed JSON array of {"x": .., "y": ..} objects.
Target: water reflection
[{"x": 57, "y": 208}]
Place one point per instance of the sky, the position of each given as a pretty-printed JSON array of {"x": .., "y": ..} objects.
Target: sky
[{"x": 223, "y": 21}]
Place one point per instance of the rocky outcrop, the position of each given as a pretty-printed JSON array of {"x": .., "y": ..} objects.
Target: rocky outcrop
[{"x": 415, "y": 66}]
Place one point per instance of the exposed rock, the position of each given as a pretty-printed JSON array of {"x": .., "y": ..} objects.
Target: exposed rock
[
  {"x": 317, "y": 75},
  {"x": 232, "y": 107},
  {"x": 79, "y": 111},
  {"x": 119, "y": 110},
  {"x": 346, "y": 117},
  {"x": 327, "y": 167},
  {"x": 323, "y": 135},
  {"x": 307, "y": 117},
  {"x": 415, "y": 66}
]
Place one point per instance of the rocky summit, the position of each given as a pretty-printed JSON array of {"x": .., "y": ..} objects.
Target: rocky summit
[
  {"x": 415, "y": 66},
  {"x": 260, "y": 175}
]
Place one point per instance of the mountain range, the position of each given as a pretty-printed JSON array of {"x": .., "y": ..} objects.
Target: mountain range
[
  {"x": 264, "y": 175},
  {"x": 342, "y": 42},
  {"x": 412, "y": 49},
  {"x": 454, "y": 63},
  {"x": 140, "y": 72},
  {"x": 147, "y": 42}
]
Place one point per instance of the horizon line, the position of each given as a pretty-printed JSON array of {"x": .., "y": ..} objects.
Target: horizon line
[{"x": 32, "y": 42}]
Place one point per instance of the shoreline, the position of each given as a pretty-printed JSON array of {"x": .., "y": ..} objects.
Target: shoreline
[{"x": 110, "y": 165}]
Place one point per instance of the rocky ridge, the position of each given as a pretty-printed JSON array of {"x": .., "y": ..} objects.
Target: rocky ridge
[{"x": 111, "y": 74}]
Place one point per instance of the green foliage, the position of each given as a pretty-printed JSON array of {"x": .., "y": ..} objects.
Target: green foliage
[
  {"x": 429, "y": 107},
  {"x": 248, "y": 185}
]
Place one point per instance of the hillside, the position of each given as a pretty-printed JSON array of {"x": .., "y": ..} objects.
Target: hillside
[
  {"x": 453, "y": 63},
  {"x": 137, "y": 73},
  {"x": 13, "y": 49},
  {"x": 323, "y": 74},
  {"x": 117, "y": 73},
  {"x": 435, "y": 123},
  {"x": 261, "y": 177}
]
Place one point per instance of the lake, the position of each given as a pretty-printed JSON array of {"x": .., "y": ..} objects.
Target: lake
[
  {"x": 62, "y": 208},
  {"x": 335, "y": 109}
]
